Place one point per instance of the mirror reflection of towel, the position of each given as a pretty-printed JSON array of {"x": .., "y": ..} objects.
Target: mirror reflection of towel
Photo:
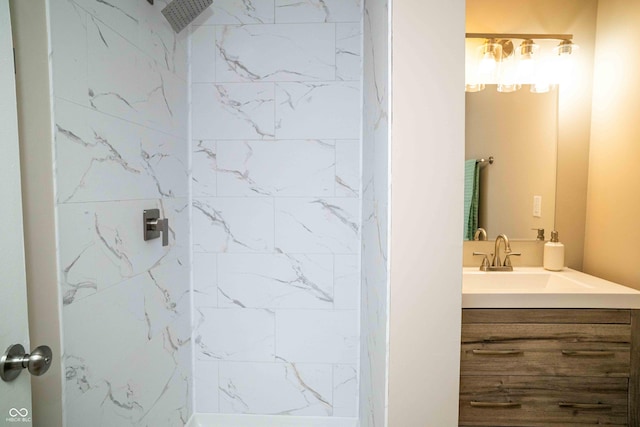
[{"x": 471, "y": 197}]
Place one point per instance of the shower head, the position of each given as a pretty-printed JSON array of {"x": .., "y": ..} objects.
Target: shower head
[{"x": 180, "y": 13}]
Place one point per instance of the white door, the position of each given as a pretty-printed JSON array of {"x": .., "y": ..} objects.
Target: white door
[{"x": 15, "y": 396}]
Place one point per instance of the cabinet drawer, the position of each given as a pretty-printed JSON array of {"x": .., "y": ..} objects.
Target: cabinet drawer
[
  {"x": 546, "y": 349},
  {"x": 543, "y": 315},
  {"x": 542, "y": 401}
]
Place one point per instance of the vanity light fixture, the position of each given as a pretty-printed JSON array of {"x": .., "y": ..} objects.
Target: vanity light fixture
[
  {"x": 497, "y": 62},
  {"x": 508, "y": 78},
  {"x": 508, "y": 88},
  {"x": 540, "y": 87},
  {"x": 566, "y": 48},
  {"x": 490, "y": 54},
  {"x": 564, "y": 60},
  {"x": 527, "y": 61},
  {"x": 474, "y": 87}
]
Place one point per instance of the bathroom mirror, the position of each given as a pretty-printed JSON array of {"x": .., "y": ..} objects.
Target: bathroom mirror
[{"x": 520, "y": 131}]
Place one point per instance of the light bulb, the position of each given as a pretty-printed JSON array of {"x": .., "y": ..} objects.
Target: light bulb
[
  {"x": 508, "y": 87},
  {"x": 474, "y": 87},
  {"x": 526, "y": 61},
  {"x": 487, "y": 64},
  {"x": 526, "y": 70},
  {"x": 508, "y": 78},
  {"x": 540, "y": 87},
  {"x": 489, "y": 55},
  {"x": 564, "y": 61}
]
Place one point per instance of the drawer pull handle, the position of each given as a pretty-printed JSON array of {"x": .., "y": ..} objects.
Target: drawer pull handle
[
  {"x": 584, "y": 405},
  {"x": 477, "y": 404},
  {"x": 497, "y": 352},
  {"x": 586, "y": 353}
]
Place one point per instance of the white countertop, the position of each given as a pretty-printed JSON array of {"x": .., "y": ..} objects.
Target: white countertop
[{"x": 534, "y": 287}]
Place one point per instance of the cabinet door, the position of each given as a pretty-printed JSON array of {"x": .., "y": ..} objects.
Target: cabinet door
[{"x": 542, "y": 401}]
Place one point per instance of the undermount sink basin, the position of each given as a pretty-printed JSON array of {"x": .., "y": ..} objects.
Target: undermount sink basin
[{"x": 534, "y": 287}]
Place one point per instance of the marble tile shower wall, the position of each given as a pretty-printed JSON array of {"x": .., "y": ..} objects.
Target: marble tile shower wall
[
  {"x": 375, "y": 215},
  {"x": 276, "y": 123},
  {"x": 121, "y": 145}
]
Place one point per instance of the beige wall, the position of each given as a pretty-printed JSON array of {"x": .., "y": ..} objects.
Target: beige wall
[
  {"x": 531, "y": 250},
  {"x": 577, "y": 17},
  {"x": 613, "y": 228},
  {"x": 427, "y": 153},
  {"x": 519, "y": 130},
  {"x": 34, "y": 118}
]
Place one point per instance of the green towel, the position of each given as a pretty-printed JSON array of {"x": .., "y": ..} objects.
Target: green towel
[{"x": 471, "y": 197}]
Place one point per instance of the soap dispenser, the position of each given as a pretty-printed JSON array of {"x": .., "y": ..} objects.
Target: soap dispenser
[{"x": 553, "y": 253}]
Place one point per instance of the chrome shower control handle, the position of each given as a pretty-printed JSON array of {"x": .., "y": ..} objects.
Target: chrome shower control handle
[
  {"x": 153, "y": 226},
  {"x": 15, "y": 360},
  {"x": 162, "y": 226}
]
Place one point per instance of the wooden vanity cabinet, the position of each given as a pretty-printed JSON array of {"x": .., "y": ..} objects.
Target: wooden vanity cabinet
[{"x": 550, "y": 367}]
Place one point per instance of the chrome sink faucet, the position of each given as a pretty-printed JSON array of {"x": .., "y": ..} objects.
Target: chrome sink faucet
[
  {"x": 507, "y": 249},
  {"x": 480, "y": 234},
  {"x": 496, "y": 263}
]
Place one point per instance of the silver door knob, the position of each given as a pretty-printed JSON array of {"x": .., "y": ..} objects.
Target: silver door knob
[{"x": 15, "y": 359}]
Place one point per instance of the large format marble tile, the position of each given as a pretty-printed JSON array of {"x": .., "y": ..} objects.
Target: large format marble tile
[
  {"x": 204, "y": 168},
  {"x": 348, "y": 51},
  {"x": 345, "y": 390},
  {"x": 165, "y": 104},
  {"x": 317, "y": 336},
  {"x": 233, "y": 225},
  {"x": 116, "y": 76},
  {"x": 223, "y": 12},
  {"x": 275, "y": 388},
  {"x": 205, "y": 279},
  {"x": 125, "y": 82},
  {"x": 234, "y": 334},
  {"x": 318, "y": 10},
  {"x": 299, "y": 52},
  {"x": 233, "y": 111},
  {"x": 206, "y": 386},
  {"x": 374, "y": 345},
  {"x": 69, "y": 45},
  {"x": 348, "y": 168},
  {"x": 157, "y": 39},
  {"x": 150, "y": 386},
  {"x": 317, "y": 225},
  {"x": 101, "y": 244},
  {"x": 168, "y": 298},
  {"x": 121, "y": 16},
  {"x": 117, "y": 316},
  {"x": 100, "y": 158},
  {"x": 346, "y": 282},
  {"x": 373, "y": 360},
  {"x": 275, "y": 281},
  {"x": 318, "y": 110},
  {"x": 164, "y": 159},
  {"x": 139, "y": 369},
  {"x": 203, "y": 54},
  {"x": 144, "y": 27},
  {"x": 276, "y": 168},
  {"x": 120, "y": 111}
]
